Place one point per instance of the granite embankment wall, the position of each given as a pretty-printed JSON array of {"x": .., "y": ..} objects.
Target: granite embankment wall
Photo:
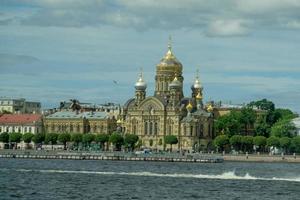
[{"x": 263, "y": 158}]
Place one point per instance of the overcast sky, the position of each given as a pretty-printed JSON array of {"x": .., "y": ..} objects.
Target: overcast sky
[{"x": 54, "y": 50}]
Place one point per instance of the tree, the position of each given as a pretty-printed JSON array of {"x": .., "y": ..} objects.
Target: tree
[
  {"x": 247, "y": 118},
  {"x": 228, "y": 124},
  {"x": 38, "y": 138},
  {"x": 236, "y": 142},
  {"x": 295, "y": 144},
  {"x": 285, "y": 113},
  {"x": 51, "y": 138},
  {"x": 102, "y": 139},
  {"x": 247, "y": 142},
  {"x": 64, "y": 138},
  {"x": 88, "y": 139},
  {"x": 27, "y": 138},
  {"x": 117, "y": 140},
  {"x": 221, "y": 142},
  {"x": 285, "y": 143},
  {"x": 273, "y": 141},
  {"x": 260, "y": 141},
  {"x": 15, "y": 137},
  {"x": 131, "y": 140},
  {"x": 76, "y": 138},
  {"x": 4, "y": 137},
  {"x": 262, "y": 129},
  {"x": 283, "y": 128},
  {"x": 171, "y": 139},
  {"x": 263, "y": 104}
]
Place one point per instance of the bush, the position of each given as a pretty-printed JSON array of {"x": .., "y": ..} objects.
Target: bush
[
  {"x": 38, "y": 138},
  {"x": 295, "y": 144},
  {"x": 76, "y": 138}
]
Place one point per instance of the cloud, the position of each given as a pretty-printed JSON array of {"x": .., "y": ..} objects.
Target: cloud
[
  {"x": 227, "y": 28},
  {"x": 214, "y": 18}
]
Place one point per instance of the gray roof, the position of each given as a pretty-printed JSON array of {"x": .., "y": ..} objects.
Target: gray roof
[{"x": 74, "y": 115}]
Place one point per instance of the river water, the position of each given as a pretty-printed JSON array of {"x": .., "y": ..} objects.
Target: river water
[{"x": 85, "y": 179}]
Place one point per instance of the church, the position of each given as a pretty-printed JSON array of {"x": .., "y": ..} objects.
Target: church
[{"x": 168, "y": 111}]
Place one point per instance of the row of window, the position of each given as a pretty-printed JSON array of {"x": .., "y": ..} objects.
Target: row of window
[{"x": 15, "y": 129}]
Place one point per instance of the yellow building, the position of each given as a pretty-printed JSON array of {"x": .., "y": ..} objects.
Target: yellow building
[
  {"x": 168, "y": 112},
  {"x": 79, "y": 122}
]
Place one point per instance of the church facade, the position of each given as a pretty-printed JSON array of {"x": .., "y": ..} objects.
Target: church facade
[{"x": 168, "y": 112}]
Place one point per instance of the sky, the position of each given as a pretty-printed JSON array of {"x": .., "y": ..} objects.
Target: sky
[{"x": 54, "y": 50}]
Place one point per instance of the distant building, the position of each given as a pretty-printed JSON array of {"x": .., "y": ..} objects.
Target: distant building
[
  {"x": 11, "y": 105},
  {"x": 296, "y": 122},
  {"x": 80, "y": 122},
  {"x": 21, "y": 123},
  {"x": 168, "y": 111}
]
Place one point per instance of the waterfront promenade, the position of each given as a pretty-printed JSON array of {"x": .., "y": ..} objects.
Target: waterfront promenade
[
  {"x": 162, "y": 157},
  {"x": 118, "y": 156}
]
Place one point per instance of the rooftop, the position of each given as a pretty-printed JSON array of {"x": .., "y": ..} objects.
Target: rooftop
[{"x": 20, "y": 118}]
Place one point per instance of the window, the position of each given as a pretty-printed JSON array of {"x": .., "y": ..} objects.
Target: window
[
  {"x": 146, "y": 128},
  {"x": 155, "y": 128},
  {"x": 29, "y": 130},
  {"x": 71, "y": 128},
  {"x": 151, "y": 128},
  {"x": 191, "y": 130}
]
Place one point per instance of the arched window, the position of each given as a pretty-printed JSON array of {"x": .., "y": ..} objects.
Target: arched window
[
  {"x": 150, "y": 128},
  {"x": 155, "y": 128},
  {"x": 201, "y": 130},
  {"x": 146, "y": 128},
  {"x": 191, "y": 130}
]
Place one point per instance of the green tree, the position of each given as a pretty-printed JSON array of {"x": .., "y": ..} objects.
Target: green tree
[
  {"x": 171, "y": 139},
  {"x": 76, "y": 138},
  {"x": 263, "y": 104},
  {"x": 247, "y": 143},
  {"x": 102, "y": 139},
  {"x": 88, "y": 138},
  {"x": 15, "y": 137},
  {"x": 117, "y": 140},
  {"x": 228, "y": 124},
  {"x": 260, "y": 141},
  {"x": 131, "y": 140},
  {"x": 236, "y": 142},
  {"x": 283, "y": 128},
  {"x": 51, "y": 138},
  {"x": 273, "y": 141},
  {"x": 261, "y": 127},
  {"x": 38, "y": 138},
  {"x": 27, "y": 138},
  {"x": 64, "y": 138},
  {"x": 295, "y": 144},
  {"x": 285, "y": 113},
  {"x": 285, "y": 143},
  {"x": 247, "y": 118},
  {"x": 4, "y": 137},
  {"x": 221, "y": 142}
]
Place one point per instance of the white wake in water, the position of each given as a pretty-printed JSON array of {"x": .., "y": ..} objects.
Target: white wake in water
[{"x": 224, "y": 176}]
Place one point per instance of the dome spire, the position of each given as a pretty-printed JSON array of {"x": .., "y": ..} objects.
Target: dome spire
[
  {"x": 197, "y": 83},
  {"x": 140, "y": 84},
  {"x": 170, "y": 43}
]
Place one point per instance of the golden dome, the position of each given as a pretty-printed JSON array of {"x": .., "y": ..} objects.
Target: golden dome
[
  {"x": 119, "y": 121},
  {"x": 210, "y": 108},
  {"x": 169, "y": 60},
  {"x": 199, "y": 96},
  {"x": 189, "y": 107}
]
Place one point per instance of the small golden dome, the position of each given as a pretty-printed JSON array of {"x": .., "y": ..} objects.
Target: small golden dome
[
  {"x": 119, "y": 121},
  {"x": 210, "y": 108},
  {"x": 189, "y": 107},
  {"x": 199, "y": 96}
]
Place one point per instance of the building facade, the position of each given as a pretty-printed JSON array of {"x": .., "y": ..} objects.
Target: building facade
[
  {"x": 11, "y": 105},
  {"x": 168, "y": 112},
  {"x": 21, "y": 123},
  {"x": 79, "y": 122}
]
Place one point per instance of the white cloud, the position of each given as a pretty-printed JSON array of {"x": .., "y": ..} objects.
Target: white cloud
[{"x": 227, "y": 28}]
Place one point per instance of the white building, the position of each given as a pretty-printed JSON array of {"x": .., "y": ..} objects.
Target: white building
[{"x": 19, "y": 106}]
